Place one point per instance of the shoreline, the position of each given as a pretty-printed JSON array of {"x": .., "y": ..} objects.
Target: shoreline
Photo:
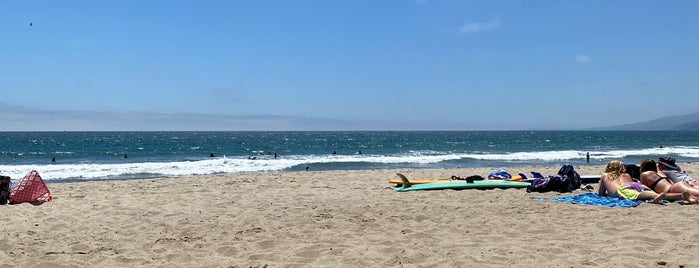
[
  {"x": 347, "y": 218},
  {"x": 524, "y": 168}
]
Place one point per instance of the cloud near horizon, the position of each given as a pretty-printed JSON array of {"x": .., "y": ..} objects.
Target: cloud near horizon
[
  {"x": 19, "y": 118},
  {"x": 475, "y": 27}
]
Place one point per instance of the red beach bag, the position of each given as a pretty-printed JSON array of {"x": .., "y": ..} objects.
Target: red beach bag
[{"x": 30, "y": 189}]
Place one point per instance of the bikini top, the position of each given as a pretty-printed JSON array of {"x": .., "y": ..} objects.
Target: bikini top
[{"x": 655, "y": 183}]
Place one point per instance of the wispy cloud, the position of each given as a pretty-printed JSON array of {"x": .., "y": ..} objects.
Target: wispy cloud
[
  {"x": 480, "y": 26},
  {"x": 583, "y": 59}
]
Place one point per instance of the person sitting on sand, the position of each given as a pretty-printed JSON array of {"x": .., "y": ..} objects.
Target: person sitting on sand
[
  {"x": 667, "y": 166},
  {"x": 614, "y": 182},
  {"x": 660, "y": 183}
]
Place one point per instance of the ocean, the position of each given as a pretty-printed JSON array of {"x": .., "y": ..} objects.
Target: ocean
[{"x": 140, "y": 155}]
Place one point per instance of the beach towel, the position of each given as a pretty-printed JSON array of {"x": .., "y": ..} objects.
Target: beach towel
[
  {"x": 500, "y": 174},
  {"x": 594, "y": 200}
]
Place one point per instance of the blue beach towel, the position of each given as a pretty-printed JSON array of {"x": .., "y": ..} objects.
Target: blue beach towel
[
  {"x": 499, "y": 174},
  {"x": 594, "y": 200}
]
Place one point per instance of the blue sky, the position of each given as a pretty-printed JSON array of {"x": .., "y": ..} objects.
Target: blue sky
[{"x": 345, "y": 65}]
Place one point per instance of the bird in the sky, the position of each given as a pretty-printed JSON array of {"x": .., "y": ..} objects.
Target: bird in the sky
[{"x": 30, "y": 24}]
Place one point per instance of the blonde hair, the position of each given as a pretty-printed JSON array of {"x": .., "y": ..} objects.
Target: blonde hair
[{"x": 614, "y": 169}]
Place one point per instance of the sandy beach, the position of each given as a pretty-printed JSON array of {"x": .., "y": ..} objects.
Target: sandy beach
[{"x": 338, "y": 219}]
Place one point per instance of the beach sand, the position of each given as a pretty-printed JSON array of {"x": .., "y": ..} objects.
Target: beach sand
[{"x": 338, "y": 219}]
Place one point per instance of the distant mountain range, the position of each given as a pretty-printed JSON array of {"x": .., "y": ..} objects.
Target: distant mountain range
[{"x": 679, "y": 122}]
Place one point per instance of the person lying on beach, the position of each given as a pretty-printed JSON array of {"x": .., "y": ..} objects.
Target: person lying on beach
[
  {"x": 667, "y": 166},
  {"x": 616, "y": 183},
  {"x": 660, "y": 183}
]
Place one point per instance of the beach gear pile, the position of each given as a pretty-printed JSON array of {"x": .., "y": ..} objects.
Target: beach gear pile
[
  {"x": 567, "y": 180},
  {"x": 4, "y": 189},
  {"x": 30, "y": 189}
]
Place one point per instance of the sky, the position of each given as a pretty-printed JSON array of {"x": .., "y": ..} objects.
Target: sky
[{"x": 345, "y": 64}]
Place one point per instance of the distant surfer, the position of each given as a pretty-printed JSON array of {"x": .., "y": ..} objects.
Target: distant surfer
[
  {"x": 126, "y": 156},
  {"x": 360, "y": 152},
  {"x": 588, "y": 157},
  {"x": 334, "y": 153},
  {"x": 275, "y": 155},
  {"x": 211, "y": 155},
  {"x": 14, "y": 158},
  {"x": 53, "y": 160}
]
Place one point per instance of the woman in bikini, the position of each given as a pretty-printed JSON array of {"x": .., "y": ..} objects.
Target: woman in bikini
[
  {"x": 658, "y": 182},
  {"x": 614, "y": 182}
]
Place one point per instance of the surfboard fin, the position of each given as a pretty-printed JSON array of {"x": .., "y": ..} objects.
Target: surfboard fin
[
  {"x": 536, "y": 175},
  {"x": 406, "y": 182}
]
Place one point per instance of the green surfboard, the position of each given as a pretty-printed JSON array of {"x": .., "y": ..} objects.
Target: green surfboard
[{"x": 481, "y": 184}]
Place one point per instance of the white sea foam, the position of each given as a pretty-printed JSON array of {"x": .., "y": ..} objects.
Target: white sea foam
[
  {"x": 91, "y": 171},
  {"x": 135, "y": 170}
]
